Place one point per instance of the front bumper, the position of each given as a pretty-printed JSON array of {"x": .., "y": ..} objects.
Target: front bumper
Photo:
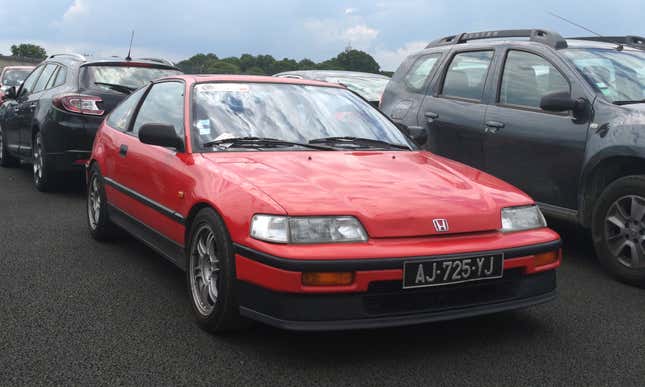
[{"x": 270, "y": 291}]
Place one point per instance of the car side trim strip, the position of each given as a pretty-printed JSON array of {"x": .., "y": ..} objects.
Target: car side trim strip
[
  {"x": 379, "y": 263},
  {"x": 169, "y": 249},
  {"x": 174, "y": 215}
]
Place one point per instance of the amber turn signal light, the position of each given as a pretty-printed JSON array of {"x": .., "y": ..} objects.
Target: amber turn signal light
[
  {"x": 547, "y": 258},
  {"x": 327, "y": 279}
]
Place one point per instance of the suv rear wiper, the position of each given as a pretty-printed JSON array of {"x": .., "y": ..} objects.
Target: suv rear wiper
[
  {"x": 628, "y": 102},
  {"x": 120, "y": 88},
  {"x": 259, "y": 142},
  {"x": 358, "y": 141}
]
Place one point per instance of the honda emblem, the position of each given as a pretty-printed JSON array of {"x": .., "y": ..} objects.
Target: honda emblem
[{"x": 441, "y": 225}]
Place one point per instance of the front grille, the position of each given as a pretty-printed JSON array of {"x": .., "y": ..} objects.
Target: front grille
[{"x": 388, "y": 297}]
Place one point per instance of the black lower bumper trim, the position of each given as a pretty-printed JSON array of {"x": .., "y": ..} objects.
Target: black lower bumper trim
[
  {"x": 378, "y": 264},
  {"x": 386, "y": 308}
]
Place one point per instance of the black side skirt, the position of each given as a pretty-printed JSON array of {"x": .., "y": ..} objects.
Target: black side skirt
[{"x": 169, "y": 249}]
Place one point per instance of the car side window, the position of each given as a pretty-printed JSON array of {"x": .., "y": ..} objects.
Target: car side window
[
  {"x": 527, "y": 78},
  {"x": 466, "y": 75},
  {"x": 61, "y": 77},
  {"x": 121, "y": 115},
  {"x": 52, "y": 79},
  {"x": 44, "y": 77},
  {"x": 28, "y": 85},
  {"x": 416, "y": 78},
  {"x": 164, "y": 104}
]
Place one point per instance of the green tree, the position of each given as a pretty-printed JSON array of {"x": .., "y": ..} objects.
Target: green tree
[
  {"x": 197, "y": 64},
  {"x": 221, "y": 67},
  {"x": 306, "y": 64},
  {"x": 255, "y": 70},
  {"x": 356, "y": 60},
  {"x": 28, "y": 50}
]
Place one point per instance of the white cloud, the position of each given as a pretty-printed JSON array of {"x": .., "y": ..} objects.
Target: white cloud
[
  {"x": 360, "y": 35},
  {"x": 77, "y": 9},
  {"x": 391, "y": 59},
  {"x": 350, "y": 11}
]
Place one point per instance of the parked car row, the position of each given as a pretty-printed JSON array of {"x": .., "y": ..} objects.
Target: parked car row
[{"x": 294, "y": 202}]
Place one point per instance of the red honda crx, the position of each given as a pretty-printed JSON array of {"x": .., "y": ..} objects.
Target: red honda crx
[{"x": 297, "y": 204}]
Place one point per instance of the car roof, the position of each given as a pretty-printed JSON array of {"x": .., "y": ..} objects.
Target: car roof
[
  {"x": 315, "y": 74},
  {"x": 18, "y": 67},
  {"x": 206, "y": 78},
  {"x": 81, "y": 60}
]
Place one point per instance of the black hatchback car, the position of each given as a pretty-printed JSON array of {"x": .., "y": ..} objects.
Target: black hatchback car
[
  {"x": 51, "y": 119},
  {"x": 562, "y": 119}
]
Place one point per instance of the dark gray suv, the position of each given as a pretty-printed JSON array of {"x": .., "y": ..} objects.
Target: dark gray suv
[{"x": 562, "y": 119}]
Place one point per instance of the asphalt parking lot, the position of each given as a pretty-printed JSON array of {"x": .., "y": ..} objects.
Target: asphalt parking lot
[{"x": 74, "y": 311}]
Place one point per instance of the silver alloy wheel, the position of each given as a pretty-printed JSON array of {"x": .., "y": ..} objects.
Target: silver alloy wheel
[
  {"x": 38, "y": 159},
  {"x": 204, "y": 270},
  {"x": 94, "y": 202},
  {"x": 625, "y": 231}
]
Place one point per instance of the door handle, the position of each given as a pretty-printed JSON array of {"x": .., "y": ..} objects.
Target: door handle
[
  {"x": 431, "y": 116},
  {"x": 123, "y": 150},
  {"x": 493, "y": 126}
]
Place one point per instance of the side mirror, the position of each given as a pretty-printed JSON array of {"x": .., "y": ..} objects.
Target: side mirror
[
  {"x": 418, "y": 134},
  {"x": 562, "y": 102},
  {"x": 161, "y": 135},
  {"x": 11, "y": 93}
]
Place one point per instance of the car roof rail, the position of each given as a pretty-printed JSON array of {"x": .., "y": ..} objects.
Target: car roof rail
[
  {"x": 630, "y": 40},
  {"x": 158, "y": 60},
  {"x": 552, "y": 39},
  {"x": 73, "y": 55}
]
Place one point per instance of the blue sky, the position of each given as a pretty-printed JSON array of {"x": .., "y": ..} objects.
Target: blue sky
[{"x": 389, "y": 30}]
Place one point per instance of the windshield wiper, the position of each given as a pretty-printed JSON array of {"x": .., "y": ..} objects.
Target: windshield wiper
[
  {"x": 362, "y": 142},
  {"x": 261, "y": 142},
  {"x": 628, "y": 102},
  {"x": 120, "y": 88}
]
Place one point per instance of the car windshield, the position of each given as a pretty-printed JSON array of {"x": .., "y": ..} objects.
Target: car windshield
[
  {"x": 618, "y": 75},
  {"x": 132, "y": 77},
  {"x": 370, "y": 88},
  {"x": 286, "y": 112},
  {"x": 14, "y": 77}
]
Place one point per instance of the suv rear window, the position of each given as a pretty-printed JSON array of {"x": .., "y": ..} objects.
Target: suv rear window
[
  {"x": 416, "y": 77},
  {"x": 466, "y": 75},
  {"x": 129, "y": 76}
]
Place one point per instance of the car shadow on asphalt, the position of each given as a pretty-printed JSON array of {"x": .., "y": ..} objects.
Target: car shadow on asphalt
[{"x": 70, "y": 185}]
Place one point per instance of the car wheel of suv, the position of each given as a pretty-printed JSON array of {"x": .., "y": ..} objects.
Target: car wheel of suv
[
  {"x": 44, "y": 178},
  {"x": 6, "y": 160},
  {"x": 619, "y": 229},
  {"x": 98, "y": 220},
  {"x": 211, "y": 274}
]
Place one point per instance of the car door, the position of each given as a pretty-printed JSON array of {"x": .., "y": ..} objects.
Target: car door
[
  {"x": 12, "y": 119},
  {"x": 28, "y": 105},
  {"x": 540, "y": 152},
  {"x": 454, "y": 109},
  {"x": 152, "y": 180}
]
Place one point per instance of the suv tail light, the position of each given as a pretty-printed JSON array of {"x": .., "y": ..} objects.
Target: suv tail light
[{"x": 79, "y": 103}]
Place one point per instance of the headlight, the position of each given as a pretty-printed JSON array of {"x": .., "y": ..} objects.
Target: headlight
[
  {"x": 305, "y": 229},
  {"x": 522, "y": 218}
]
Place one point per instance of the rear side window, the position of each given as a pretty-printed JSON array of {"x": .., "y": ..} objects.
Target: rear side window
[
  {"x": 527, "y": 78},
  {"x": 120, "y": 116},
  {"x": 164, "y": 104},
  {"x": 44, "y": 77},
  {"x": 416, "y": 78},
  {"x": 61, "y": 77},
  {"x": 466, "y": 75}
]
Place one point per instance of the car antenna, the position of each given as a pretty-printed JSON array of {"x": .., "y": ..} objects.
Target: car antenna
[
  {"x": 129, "y": 57},
  {"x": 619, "y": 47}
]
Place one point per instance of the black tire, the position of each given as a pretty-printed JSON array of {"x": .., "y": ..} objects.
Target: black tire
[
  {"x": 620, "y": 203},
  {"x": 98, "y": 220},
  {"x": 45, "y": 178},
  {"x": 225, "y": 314},
  {"x": 6, "y": 160}
]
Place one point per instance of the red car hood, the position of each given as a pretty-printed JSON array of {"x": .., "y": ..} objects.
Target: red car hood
[{"x": 394, "y": 194}]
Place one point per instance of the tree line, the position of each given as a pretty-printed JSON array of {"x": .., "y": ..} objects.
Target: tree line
[{"x": 350, "y": 60}]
